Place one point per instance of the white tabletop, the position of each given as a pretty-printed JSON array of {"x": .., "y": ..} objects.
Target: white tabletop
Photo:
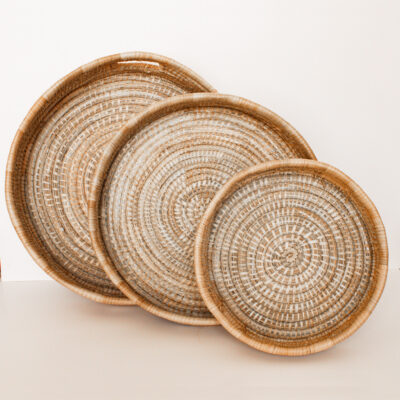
[{"x": 57, "y": 345}]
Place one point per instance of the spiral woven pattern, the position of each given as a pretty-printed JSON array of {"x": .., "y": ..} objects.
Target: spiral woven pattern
[
  {"x": 291, "y": 256},
  {"x": 161, "y": 181},
  {"x": 57, "y": 151}
]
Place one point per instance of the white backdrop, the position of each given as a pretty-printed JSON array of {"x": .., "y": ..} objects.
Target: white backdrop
[{"x": 330, "y": 68}]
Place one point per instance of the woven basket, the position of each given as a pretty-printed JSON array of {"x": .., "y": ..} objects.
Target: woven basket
[
  {"x": 291, "y": 256},
  {"x": 157, "y": 178},
  {"x": 56, "y": 150}
]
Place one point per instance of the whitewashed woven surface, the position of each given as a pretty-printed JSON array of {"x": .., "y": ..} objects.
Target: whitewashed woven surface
[
  {"x": 58, "y": 148},
  {"x": 290, "y": 257},
  {"x": 160, "y": 182}
]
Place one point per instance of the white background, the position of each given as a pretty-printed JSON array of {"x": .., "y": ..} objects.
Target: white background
[{"x": 330, "y": 68}]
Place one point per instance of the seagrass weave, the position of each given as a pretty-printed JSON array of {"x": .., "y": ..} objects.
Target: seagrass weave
[
  {"x": 291, "y": 256},
  {"x": 56, "y": 150},
  {"x": 157, "y": 178}
]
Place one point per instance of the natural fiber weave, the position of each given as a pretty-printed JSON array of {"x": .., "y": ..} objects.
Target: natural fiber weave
[
  {"x": 291, "y": 256},
  {"x": 157, "y": 179},
  {"x": 56, "y": 150}
]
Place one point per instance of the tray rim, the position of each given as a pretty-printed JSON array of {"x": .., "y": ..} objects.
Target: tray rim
[
  {"x": 16, "y": 211},
  {"x": 368, "y": 208},
  {"x": 154, "y": 112}
]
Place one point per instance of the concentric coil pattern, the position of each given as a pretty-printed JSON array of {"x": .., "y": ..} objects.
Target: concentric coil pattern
[
  {"x": 290, "y": 257},
  {"x": 158, "y": 187},
  {"x": 66, "y": 149}
]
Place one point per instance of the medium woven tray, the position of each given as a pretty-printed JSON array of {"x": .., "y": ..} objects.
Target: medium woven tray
[
  {"x": 158, "y": 177},
  {"x": 57, "y": 148},
  {"x": 291, "y": 256}
]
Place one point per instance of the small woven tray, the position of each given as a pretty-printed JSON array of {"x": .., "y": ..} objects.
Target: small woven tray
[
  {"x": 57, "y": 148},
  {"x": 291, "y": 256},
  {"x": 156, "y": 180}
]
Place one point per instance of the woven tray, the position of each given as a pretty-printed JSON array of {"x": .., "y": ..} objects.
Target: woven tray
[
  {"x": 151, "y": 189},
  {"x": 291, "y": 256},
  {"x": 56, "y": 150}
]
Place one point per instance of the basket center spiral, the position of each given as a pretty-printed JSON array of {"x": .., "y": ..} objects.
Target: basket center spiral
[
  {"x": 190, "y": 207},
  {"x": 289, "y": 256}
]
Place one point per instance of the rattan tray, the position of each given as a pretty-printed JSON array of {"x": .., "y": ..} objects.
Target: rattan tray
[
  {"x": 291, "y": 256},
  {"x": 156, "y": 180},
  {"x": 56, "y": 150}
]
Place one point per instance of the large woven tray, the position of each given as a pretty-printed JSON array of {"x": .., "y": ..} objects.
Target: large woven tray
[
  {"x": 56, "y": 150},
  {"x": 291, "y": 256},
  {"x": 156, "y": 180}
]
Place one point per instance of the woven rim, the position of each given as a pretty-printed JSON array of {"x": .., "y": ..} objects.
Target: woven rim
[
  {"x": 15, "y": 197},
  {"x": 157, "y": 112},
  {"x": 317, "y": 170}
]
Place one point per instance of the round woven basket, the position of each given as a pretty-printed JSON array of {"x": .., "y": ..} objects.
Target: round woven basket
[
  {"x": 56, "y": 150},
  {"x": 291, "y": 256},
  {"x": 156, "y": 179}
]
